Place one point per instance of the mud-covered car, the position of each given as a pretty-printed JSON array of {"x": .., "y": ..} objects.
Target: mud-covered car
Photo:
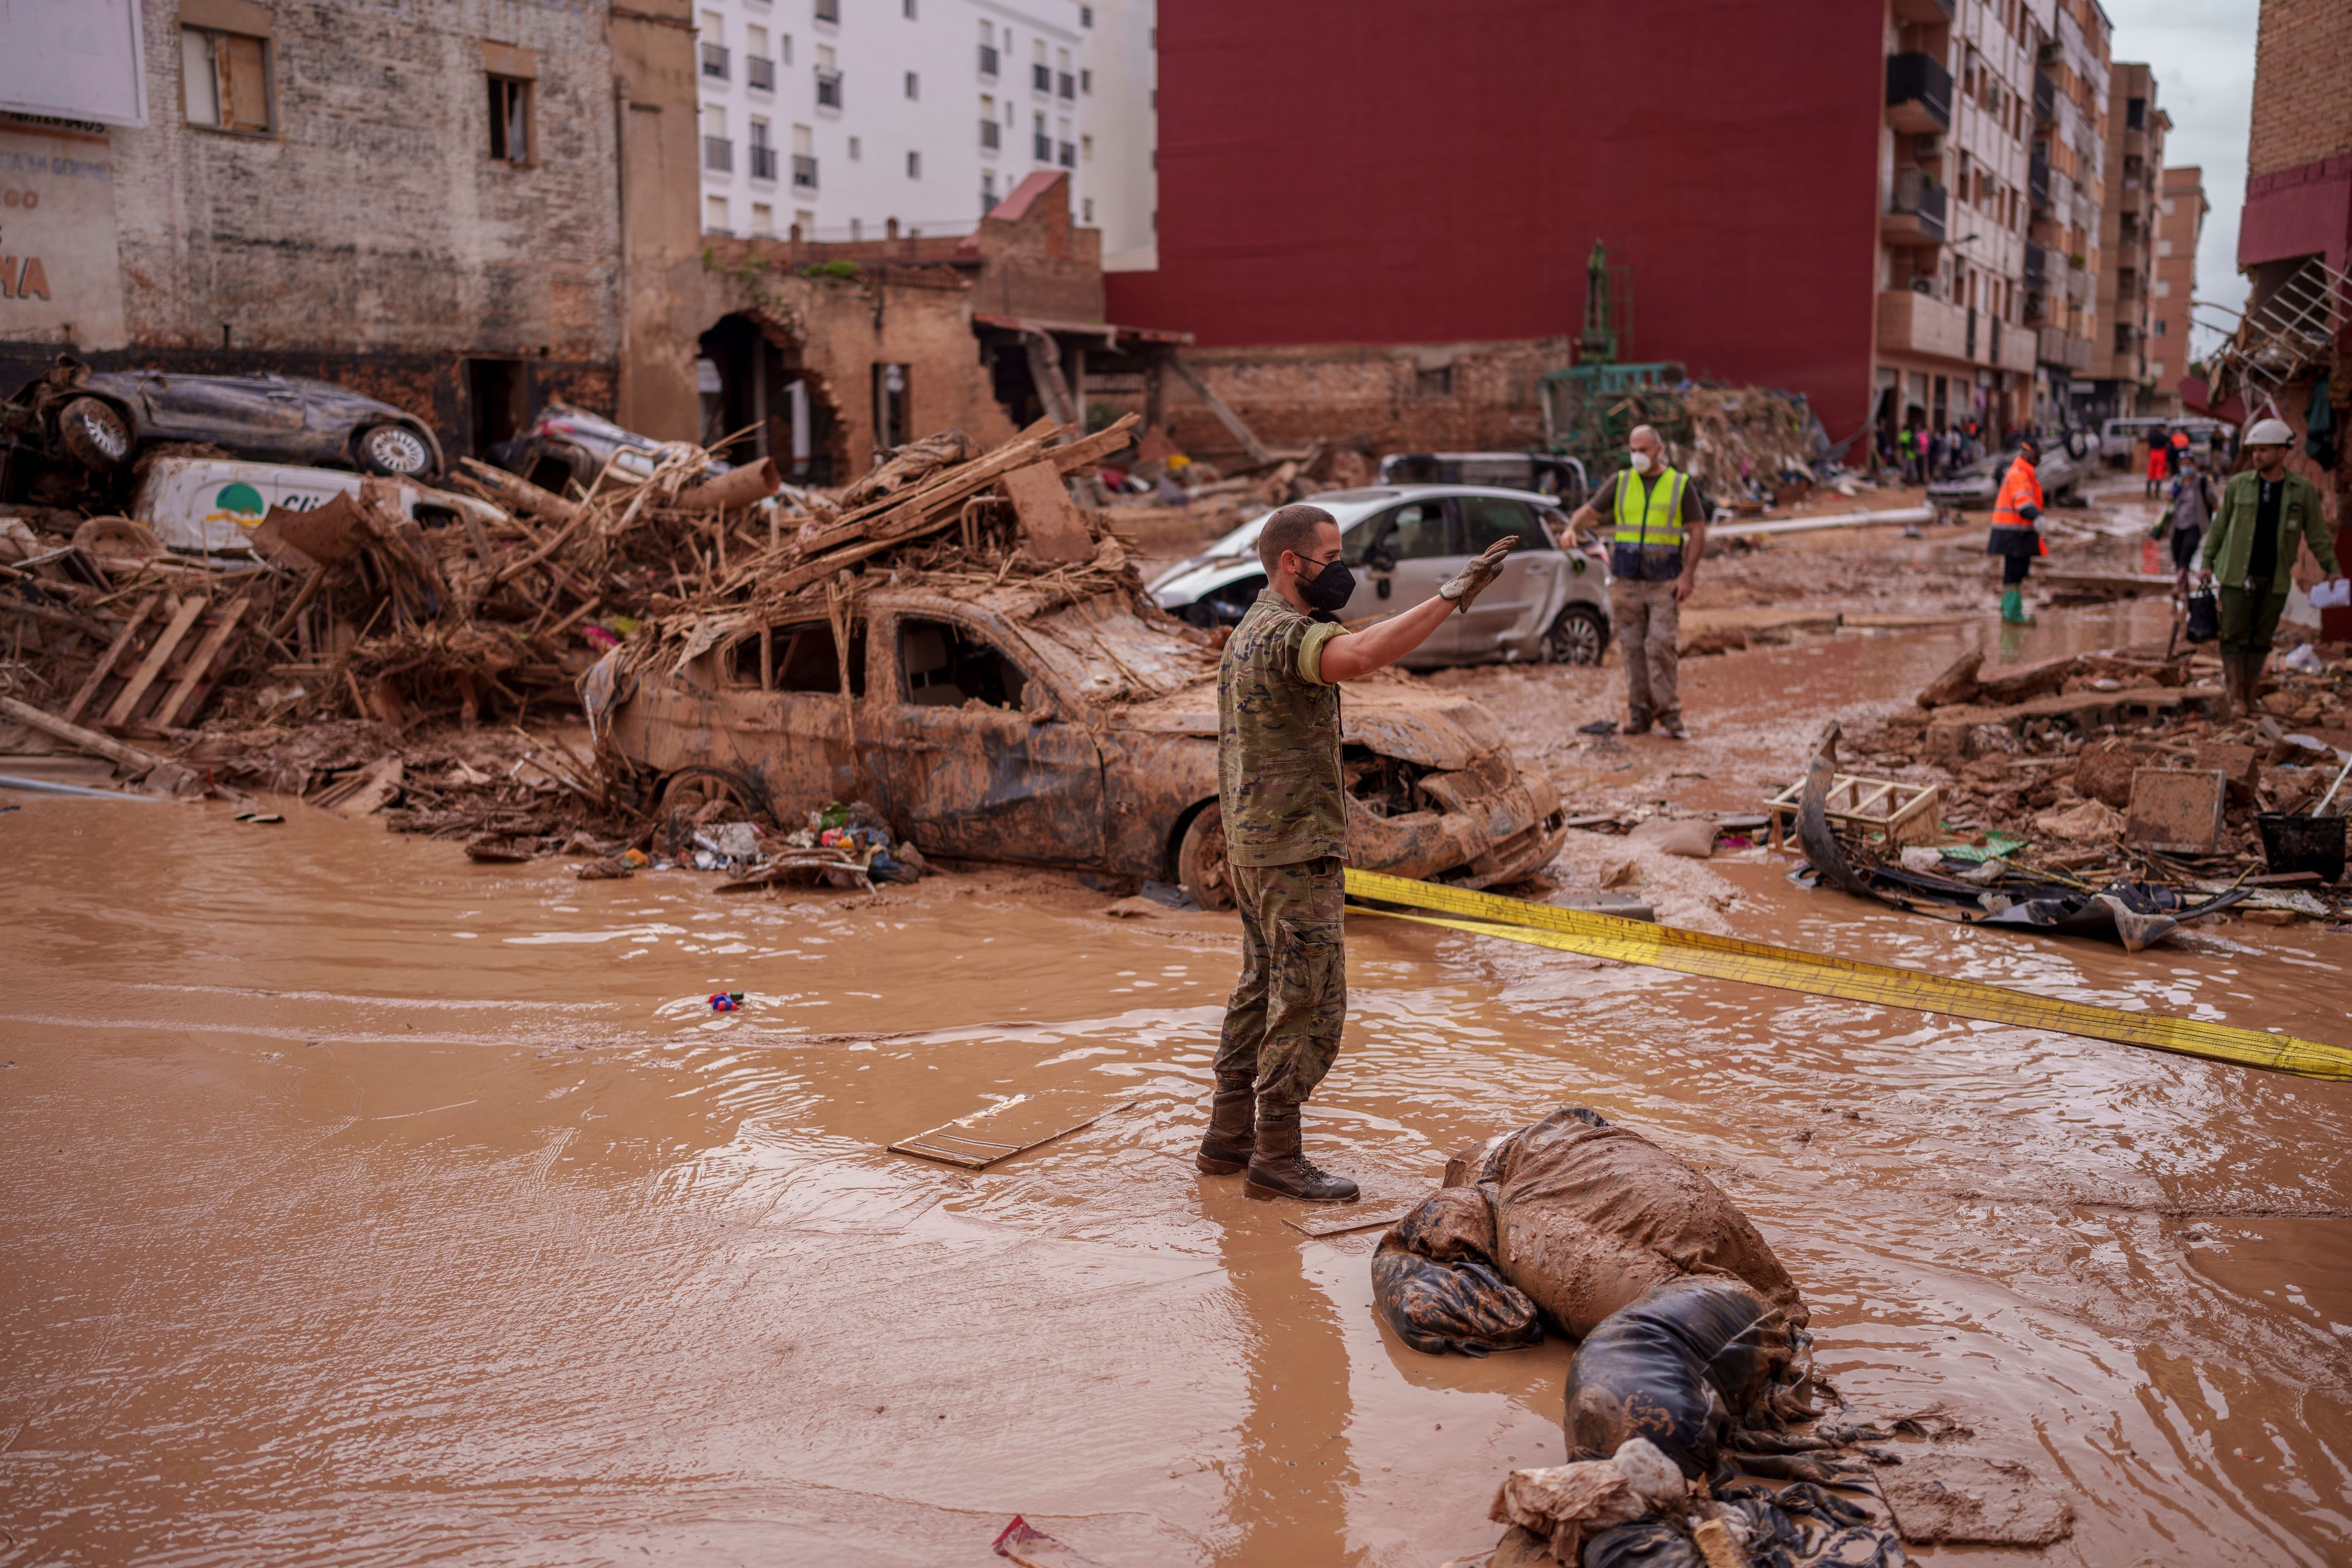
[
  {"x": 100, "y": 420},
  {"x": 571, "y": 446},
  {"x": 2061, "y": 472},
  {"x": 1011, "y": 723}
]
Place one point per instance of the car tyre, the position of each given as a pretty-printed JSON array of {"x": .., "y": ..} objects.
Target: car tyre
[
  {"x": 1580, "y": 634},
  {"x": 94, "y": 434},
  {"x": 394, "y": 450},
  {"x": 1200, "y": 866}
]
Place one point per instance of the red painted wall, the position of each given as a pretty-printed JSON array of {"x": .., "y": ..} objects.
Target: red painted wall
[{"x": 1411, "y": 170}]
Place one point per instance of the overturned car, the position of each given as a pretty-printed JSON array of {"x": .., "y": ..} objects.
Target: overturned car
[{"x": 1025, "y": 721}]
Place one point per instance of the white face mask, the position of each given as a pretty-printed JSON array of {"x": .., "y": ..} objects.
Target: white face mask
[{"x": 1642, "y": 463}]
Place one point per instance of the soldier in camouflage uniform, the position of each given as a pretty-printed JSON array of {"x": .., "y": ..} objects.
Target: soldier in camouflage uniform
[{"x": 1285, "y": 814}]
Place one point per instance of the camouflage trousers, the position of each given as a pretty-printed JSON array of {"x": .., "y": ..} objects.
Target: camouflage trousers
[{"x": 1283, "y": 1023}]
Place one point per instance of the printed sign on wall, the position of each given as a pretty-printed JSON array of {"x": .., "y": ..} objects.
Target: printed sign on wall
[{"x": 60, "y": 277}]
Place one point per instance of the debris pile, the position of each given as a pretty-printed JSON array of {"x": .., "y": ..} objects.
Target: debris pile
[
  {"x": 406, "y": 648},
  {"x": 2074, "y": 775}
]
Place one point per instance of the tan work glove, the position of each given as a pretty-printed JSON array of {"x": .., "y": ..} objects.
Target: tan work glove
[{"x": 1471, "y": 581}]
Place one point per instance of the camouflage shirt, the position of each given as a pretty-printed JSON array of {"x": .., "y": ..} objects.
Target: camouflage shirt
[{"x": 1278, "y": 740}]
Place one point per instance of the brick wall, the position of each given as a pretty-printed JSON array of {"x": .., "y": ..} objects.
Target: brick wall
[{"x": 2303, "y": 95}]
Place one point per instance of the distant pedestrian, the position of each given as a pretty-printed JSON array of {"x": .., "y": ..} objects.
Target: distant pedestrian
[
  {"x": 2192, "y": 513},
  {"x": 2016, "y": 535},
  {"x": 2157, "y": 448},
  {"x": 2177, "y": 451},
  {"x": 1661, "y": 534},
  {"x": 2266, "y": 516}
]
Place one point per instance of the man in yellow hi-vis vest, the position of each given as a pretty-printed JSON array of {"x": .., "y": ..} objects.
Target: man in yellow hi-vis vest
[{"x": 1660, "y": 532}]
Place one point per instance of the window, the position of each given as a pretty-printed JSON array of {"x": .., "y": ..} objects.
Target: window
[
  {"x": 763, "y": 152},
  {"x": 1486, "y": 519},
  {"x": 2163, "y": 247},
  {"x": 1086, "y": 16},
  {"x": 891, "y": 425},
  {"x": 1065, "y": 84},
  {"x": 759, "y": 66},
  {"x": 803, "y": 224},
  {"x": 857, "y": 149},
  {"x": 509, "y": 120},
  {"x": 828, "y": 79},
  {"x": 1086, "y": 79},
  {"x": 947, "y": 667},
  {"x": 1087, "y": 210},
  {"x": 826, "y": 11},
  {"x": 1086, "y": 148},
  {"x": 1041, "y": 146},
  {"x": 784, "y": 48},
  {"x": 718, "y": 151},
  {"x": 805, "y": 164},
  {"x": 714, "y": 214},
  {"x": 914, "y": 165},
  {"x": 802, "y": 656},
  {"x": 1437, "y": 383},
  {"x": 714, "y": 46},
  {"x": 987, "y": 49},
  {"x": 225, "y": 80},
  {"x": 913, "y": 86},
  {"x": 988, "y": 128},
  {"x": 2163, "y": 328},
  {"x": 763, "y": 221},
  {"x": 1416, "y": 530},
  {"x": 906, "y": 9}
]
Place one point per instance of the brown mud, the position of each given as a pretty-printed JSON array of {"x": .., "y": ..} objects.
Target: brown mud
[{"x": 362, "y": 1205}]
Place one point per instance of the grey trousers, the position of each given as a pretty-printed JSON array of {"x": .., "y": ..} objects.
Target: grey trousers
[{"x": 1648, "y": 625}]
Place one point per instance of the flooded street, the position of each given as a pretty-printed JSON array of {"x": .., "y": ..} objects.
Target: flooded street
[{"x": 362, "y": 1204}]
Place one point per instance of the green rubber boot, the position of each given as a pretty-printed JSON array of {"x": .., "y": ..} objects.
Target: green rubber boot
[{"x": 2012, "y": 608}]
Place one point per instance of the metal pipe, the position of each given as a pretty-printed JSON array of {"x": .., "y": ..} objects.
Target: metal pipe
[{"x": 50, "y": 787}]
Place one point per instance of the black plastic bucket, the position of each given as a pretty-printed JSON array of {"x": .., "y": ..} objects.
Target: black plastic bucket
[{"x": 2303, "y": 844}]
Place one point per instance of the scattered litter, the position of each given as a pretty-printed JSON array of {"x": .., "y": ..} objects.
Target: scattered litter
[
  {"x": 1691, "y": 838},
  {"x": 1027, "y": 1121},
  {"x": 1032, "y": 1548},
  {"x": 260, "y": 818},
  {"x": 1967, "y": 1500},
  {"x": 1378, "y": 1219},
  {"x": 726, "y": 1001},
  {"x": 1598, "y": 727}
]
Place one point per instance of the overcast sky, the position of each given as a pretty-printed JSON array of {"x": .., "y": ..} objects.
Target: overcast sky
[{"x": 2203, "y": 55}]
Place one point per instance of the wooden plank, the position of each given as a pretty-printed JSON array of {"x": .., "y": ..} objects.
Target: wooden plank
[
  {"x": 89, "y": 741},
  {"x": 126, "y": 702},
  {"x": 1050, "y": 525},
  {"x": 201, "y": 664},
  {"x": 1093, "y": 448},
  {"x": 1225, "y": 417},
  {"x": 107, "y": 661},
  {"x": 951, "y": 1146}
]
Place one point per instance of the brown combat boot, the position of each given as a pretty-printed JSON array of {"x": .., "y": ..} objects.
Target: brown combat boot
[
  {"x": 1231, "y": 1137},
  {"x": 1279, "y": 1171}
]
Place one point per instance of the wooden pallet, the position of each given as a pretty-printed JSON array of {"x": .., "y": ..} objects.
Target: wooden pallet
[{"x": 1881, "y": 811}]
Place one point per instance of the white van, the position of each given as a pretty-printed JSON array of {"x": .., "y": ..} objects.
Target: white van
[{"x": 210, "y": 506}]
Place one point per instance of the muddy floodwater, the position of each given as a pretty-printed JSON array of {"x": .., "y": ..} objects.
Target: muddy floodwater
[{"x": 361, "y": 1205}]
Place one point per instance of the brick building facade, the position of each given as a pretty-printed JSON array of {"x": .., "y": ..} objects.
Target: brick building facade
[
  {"x": 2119, "y": 371},
  {"x": 2180, "y": 212}
]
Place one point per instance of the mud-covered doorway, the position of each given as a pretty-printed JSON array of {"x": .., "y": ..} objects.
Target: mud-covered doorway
[{"x": 769, "y": 403}]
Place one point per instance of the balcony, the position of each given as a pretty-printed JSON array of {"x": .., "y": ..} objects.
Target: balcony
[
  {"x": 2037, "y": 182},
  {"x": 759, "y": 71},
  {"x": 803, "y": 172},
  {"x": 2037, "y": 266},
  {"x": 1065, "y": 85},
  {"x": 1928, "y": 13},
  {"x": 990, "y": 135},
  {"x": 988, "y": 59},
  {"x": 2045, "y": 98},
  {"x": 719, "y": 154},
  {"x": 1040, "y": 148},
  {"x": 1914, "y": 214},
  {"x": 1916, "y": 323},
  {"x": 828, "y": 89},
  {"x": 2063, "y": 350},
  {"x": 1041, "y": 77},
  {"x": 763, "y": 162},
  {"x": 714, "y": 61},
  {"x": 1919, "y": 93}
]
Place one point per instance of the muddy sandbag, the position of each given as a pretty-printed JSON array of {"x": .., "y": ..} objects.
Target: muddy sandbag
[
  {"x": 1684, "y": 1366},
  {"x": 1436, "y": 1283},
  {"x": 1589, "y": 1216}
]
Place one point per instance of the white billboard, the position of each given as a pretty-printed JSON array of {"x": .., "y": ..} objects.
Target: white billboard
[{"x": 76, "y": 60}]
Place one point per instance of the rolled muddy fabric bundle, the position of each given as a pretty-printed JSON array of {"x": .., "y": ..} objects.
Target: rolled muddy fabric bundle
[{"x": 1572, "y": 1219}]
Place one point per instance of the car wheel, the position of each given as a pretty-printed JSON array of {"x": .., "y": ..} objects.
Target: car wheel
[
  {"x": 94, "y": 434},
  {"x": 1579, "y": 635},
  {"x": 395, "y": 449},
  {"x": 1200, "y": 866}
]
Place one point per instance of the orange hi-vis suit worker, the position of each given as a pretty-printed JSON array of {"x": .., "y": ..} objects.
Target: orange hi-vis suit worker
[{"x": 2015, "y": 539}]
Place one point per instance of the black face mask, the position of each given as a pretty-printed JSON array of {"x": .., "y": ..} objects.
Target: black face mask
[{"x": 1329, "y": 588}]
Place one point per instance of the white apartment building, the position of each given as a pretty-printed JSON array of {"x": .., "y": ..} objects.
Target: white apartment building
[{"x": 844, "y": 118}]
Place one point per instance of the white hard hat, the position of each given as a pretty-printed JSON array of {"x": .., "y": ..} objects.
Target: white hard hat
[{"x": 2269, "y": 433}]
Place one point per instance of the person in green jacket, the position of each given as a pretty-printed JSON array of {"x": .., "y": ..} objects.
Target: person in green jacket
[{"x": 2266, "y": 515}]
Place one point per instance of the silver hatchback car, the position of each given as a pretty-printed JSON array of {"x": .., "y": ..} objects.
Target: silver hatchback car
[{"x": 1403, "y": 541}]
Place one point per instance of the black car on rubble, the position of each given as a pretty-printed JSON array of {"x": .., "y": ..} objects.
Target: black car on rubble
[{"x": 100, "y": 420}]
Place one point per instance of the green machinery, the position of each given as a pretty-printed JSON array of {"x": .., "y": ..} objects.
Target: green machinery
[{"x": 1591, "y": 408}]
